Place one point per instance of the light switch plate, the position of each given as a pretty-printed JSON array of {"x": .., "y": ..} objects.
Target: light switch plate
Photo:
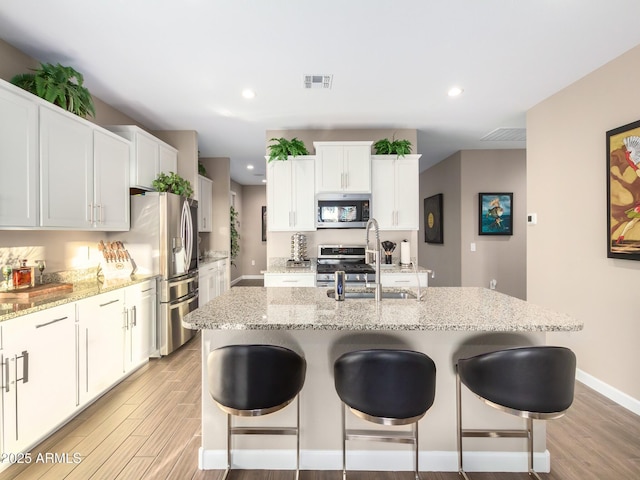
[{"x": 532, "y": 218}]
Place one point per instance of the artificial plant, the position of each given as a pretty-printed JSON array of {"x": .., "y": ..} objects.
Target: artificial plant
[
  {"x": 235, "y": 236},
  {"x": 173, "y": 183},
  {"x": 284, "y": 148},
  {"x": 392, "y": 147},
  {"x": 59, "y": 85}
]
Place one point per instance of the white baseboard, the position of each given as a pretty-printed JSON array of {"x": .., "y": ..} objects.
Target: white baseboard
[
  {"x": 377, "y": 460},
  {"x": 612, "y": 393},
  {"x": 246, "y": 277}
]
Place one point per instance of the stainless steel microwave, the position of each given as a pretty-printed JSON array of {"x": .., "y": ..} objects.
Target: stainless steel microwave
[{"x": 343, "y": 210}]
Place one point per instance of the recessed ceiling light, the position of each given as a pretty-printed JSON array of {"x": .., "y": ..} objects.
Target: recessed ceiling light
[
  {"x": 249, "y": 167},
  {"x": 248, "y": 93},
  {"x": 454, "y": 91}
]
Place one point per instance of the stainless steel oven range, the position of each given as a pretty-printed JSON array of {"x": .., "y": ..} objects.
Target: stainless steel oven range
[{"x": 348, "y": 258}]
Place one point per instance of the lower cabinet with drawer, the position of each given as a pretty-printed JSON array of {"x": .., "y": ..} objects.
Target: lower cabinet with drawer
[
  {"x": 38, "y": 358},
  {"x": 400, "y": 280},
  {"x": 289, "y": 279}
]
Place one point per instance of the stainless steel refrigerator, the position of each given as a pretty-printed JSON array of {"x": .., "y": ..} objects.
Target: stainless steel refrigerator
[{"x": 163, "y": 241}]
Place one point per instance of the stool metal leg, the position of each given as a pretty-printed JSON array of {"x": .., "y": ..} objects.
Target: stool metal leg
[
  {"x": 415, "y": 444},
  {"x": 226, "y": 472},
  {"x": 344, "y": 443},
  {"x": 298, "y": 438},
  {"x": 532, "y": 472}
]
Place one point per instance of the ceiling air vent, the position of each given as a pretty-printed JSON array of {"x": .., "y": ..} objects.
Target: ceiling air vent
[
  {"x": 317, "y": 81},
  {"x": 506, "y": 135}
]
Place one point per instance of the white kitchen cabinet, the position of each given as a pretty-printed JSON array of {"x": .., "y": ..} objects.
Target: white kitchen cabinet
[
  {"x": 212, "y": 280},
  {"x": 66, "y": 170},
  {"x": 167, "y": 158},
  {"x": 148, "y": 156},
  {"x": 18, "y": 158},
  {"x": 84, "y": 174},
  {"x": 400, "y": 280},
  {"x": 290, "y": 194},
  {"x": 140, "y": 314},
  {"x": 290, "y": 279},
  {"x": 205, "y": 200},
  {"x": 395, "y": 191},
  {"x": 343, "y": 167},
  {"x": 111, "y": 182},
  {"x": 101, "y": 324},
  {"x": 38, "y": 375}
]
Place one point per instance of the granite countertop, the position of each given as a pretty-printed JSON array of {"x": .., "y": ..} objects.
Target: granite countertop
[
  {"x": 211, "y": 258},
  {"x": 441, "y": 309},
  {"x": 82, "y": 289}
]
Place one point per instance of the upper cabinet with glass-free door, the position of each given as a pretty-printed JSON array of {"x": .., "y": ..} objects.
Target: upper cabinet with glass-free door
[
  {"x": 149, "y": 156},
  {"x": 18, "y": 158},
  {"x": 343, "y": 167}
]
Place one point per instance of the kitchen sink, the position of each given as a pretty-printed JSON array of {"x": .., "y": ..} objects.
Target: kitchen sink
[{"x": 392, "y": 295}]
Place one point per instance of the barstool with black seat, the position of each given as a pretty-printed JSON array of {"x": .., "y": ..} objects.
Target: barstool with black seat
[
  {"x": 386, "y": 387},
  {"x": 530, "y": 382},
  {"x": 255, "y": 380}
]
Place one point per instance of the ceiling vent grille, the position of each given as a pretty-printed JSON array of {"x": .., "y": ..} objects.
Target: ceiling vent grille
[
  {"x": 506, "y": 135},
  {"x": 317, "y": 81}
]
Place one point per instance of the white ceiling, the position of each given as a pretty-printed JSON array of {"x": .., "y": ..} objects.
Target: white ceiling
[{"x": 182, "y": 64}]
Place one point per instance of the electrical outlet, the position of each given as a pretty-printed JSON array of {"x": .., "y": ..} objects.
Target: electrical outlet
[
  {"x": 493, "y": 283},
  {"x": 253, "y": 262},
  {"x": 473, "y": 246}
]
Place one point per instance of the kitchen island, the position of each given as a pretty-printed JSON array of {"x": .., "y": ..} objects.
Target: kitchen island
[{"x": 448, "y": 323}]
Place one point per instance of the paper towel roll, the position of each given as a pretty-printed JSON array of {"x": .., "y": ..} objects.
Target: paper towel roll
[{"x": 405, "y": 253}]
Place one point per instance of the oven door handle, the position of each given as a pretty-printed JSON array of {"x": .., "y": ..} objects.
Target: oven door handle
[{"x": 183, "y": 300}]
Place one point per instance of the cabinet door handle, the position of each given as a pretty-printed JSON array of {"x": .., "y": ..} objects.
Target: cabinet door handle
[
  {"x": 147, "y": 290},
  {"x": 25, "y": 367},
  {"x": 6, "y": 381},
  {"x": 346, "y": 180},
  {"x": 109, "y": 303},
  {"x": 135, "y": 315},
  {"x": 125, "y": 318},
  {"x": 51, "y": 322},
  {"x": 78, "y": 364},
  {"x": 90, "y": 213},
  {"x": 100, "y": 220}
]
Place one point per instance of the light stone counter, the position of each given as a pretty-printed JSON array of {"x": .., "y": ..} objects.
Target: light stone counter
[
  {"x": 449, "y": 323},
  {"x": 81, "y": 289},
  {"x": 441, "y": 309}
]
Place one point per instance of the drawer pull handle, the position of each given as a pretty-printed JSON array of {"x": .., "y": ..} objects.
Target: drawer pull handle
[
  {"x": 109, "y": 303},
  {"x": 52, "y": 321}
]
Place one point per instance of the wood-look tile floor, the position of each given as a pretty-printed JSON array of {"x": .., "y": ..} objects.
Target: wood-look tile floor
[{"x": 148, "y": 427}]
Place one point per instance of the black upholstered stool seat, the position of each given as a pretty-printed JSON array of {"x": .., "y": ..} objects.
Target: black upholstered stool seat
[
  {"x": 388, "y": 387},
  {"x": 530, "y": 382},
  {"x": 254, "y": 380}
]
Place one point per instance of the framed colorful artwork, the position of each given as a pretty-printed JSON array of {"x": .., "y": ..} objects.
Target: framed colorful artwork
[
  {"x": 495, "y": 215},
  {"x": 623, "y": 192},
  {"x": 433, "y": 219}
]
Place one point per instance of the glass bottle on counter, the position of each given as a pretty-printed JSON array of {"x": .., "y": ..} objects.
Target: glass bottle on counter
[{"x": 23, "y": 276}]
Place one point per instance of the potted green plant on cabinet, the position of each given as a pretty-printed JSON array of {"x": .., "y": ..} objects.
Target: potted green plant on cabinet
[
  {"x": 173, "y": 183},
  {"x": 392, "y": 147},
  {"x": 59, "y": 85},
  {"x": 284, "y": 148}
]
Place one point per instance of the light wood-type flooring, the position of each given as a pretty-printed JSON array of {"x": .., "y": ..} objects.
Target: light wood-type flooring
[{"x": 148, "y": 427}]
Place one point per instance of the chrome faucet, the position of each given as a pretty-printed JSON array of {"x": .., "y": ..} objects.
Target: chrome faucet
[{"x": 377, "y": 253}]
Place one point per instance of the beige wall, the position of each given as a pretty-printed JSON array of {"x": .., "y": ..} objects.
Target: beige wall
[
  {"x": 460, "y": 178},
  {"x": 218, "y": 170},
  {"x": 499, "y": 257},
  {"x": 328, "y": 135},
  {"x": 567, "y": 265},
  {"x": 443, "y": 259}
]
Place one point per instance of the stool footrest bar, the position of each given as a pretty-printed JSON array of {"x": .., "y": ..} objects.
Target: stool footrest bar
[{"x": 495, "y": 433}]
